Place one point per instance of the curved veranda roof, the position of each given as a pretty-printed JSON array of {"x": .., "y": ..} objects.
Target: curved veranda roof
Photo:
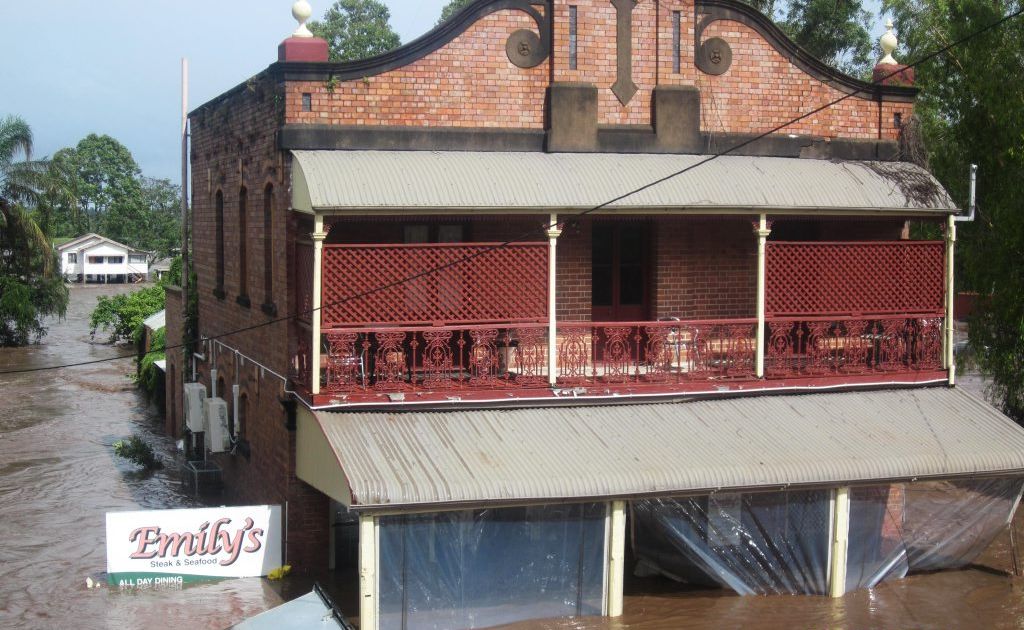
[
  {"x": 381, "y": 460},
  {"x": 383, "y": 182}
]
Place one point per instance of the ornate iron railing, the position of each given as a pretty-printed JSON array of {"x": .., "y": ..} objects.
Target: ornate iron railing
[
  {"x": 434, "y": 358},
  {"x": 827, "y": 346},
  {"x": 656, "y": 352},
  {"x": 663, "y": 353}
]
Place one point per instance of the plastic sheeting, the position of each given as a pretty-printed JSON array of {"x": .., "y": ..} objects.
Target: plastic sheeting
[
  {"x": 761, "y": 543},
  {"x": 925, "y": 526},
  {"x": 778, "y": 542},
  {"x": 478, "y": 568}
]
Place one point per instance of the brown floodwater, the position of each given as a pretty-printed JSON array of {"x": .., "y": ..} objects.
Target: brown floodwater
[{"x": 59, "y": 476}]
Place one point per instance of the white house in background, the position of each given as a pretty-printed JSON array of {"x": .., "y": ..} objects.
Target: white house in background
[{"x": 95, "y": 258}]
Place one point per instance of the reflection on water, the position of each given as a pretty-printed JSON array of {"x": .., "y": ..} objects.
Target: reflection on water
[{"x": 58, "y": 477}]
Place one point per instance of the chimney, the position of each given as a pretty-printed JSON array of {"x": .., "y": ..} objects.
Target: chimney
[
  {"x": 302, "y": 45},
  {"x": 888, "y": 71}
]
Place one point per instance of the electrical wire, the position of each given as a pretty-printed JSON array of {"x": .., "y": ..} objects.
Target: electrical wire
[{"x": 572, "y": 220}]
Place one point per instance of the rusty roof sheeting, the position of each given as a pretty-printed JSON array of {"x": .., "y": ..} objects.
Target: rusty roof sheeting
[{"x": 565, "y": 453}]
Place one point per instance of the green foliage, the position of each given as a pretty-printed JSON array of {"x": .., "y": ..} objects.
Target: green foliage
[
  {"x": 173, "y": 275},
  {"x": 137, "y": 451},
  {"x": 835, "y": 31},
  {"x": 122, "y": 315},
  {"x": 453, "y": 7},
  {"x": 972, "y": 111},
  {"x": 30, "y": 283},
  {"x": 356, "y": 29},
  {"x": 148, "y": 372},
  {"x": 98, "y": 187}
]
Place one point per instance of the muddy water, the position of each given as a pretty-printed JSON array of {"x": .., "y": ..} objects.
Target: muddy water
[{"x": 58, "y": 476}]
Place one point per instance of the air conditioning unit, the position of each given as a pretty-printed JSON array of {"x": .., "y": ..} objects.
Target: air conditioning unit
[
  {"x": 195, "y": 394},
  {"x": 218, "y": 438}
]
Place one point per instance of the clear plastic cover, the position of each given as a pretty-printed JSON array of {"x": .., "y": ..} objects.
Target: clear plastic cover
[
  {"x": 778, "y": 542},
  {"x": 759, "y": 543},
  {"x": 924, "y": 526},
  {"x": 479, "y": 568}
]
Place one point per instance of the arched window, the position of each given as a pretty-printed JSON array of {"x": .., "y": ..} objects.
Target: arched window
[
  {"x": 243, "y": 263},
  {"x": 219, "y": 236},
  {"x": 268, "y": 247}
]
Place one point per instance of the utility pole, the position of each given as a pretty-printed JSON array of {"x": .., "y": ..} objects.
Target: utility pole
[{"x": 184, "y": 214}]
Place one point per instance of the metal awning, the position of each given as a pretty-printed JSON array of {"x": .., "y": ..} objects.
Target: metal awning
[
  {"x": 452, "y": 458},
  {"x": 382, "y": 182}
]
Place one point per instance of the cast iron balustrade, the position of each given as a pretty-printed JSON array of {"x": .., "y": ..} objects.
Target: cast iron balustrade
[
  {"x": 476, "y": 326},
  {"x": 588, "y": 354}
]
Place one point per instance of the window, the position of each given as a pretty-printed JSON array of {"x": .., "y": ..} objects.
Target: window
[
  {"x": 219, "y": 236},
  {"x": 307, "y": 102},
  {"x": 572, "y": 37},
  {"x": 72, "y": 258},
  {"x": 137, "y": 258},
  {"x": 95, "y": 260},
  {"x": 676, "y": 30},
  {"x": 243, "y": 263},
  {"x": 268, "y": 247},
  {"x": 115, "y": 260}
]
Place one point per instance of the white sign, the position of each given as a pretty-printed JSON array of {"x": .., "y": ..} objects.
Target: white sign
[{"x": 168, "y": 547}]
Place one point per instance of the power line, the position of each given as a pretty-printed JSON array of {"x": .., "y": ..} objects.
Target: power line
[{"x": 573, "y": 219}]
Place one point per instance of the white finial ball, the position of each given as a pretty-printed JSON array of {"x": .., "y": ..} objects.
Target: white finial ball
[
  {"x": 302, "y": 11},
  {"x": 888, "y": 43}
]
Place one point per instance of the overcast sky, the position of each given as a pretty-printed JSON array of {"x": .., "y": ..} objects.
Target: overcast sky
[{"x": 74, "y": 67}]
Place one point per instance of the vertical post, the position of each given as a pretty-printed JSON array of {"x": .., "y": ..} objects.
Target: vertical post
[
  {"x": 184, "y": 213},
  {"x": 554, "y": 231},
  {"x": 367, "y": 572},
  {"x": 840, "y": 541},
  {"x": 616, "y": 557},
  {"x": 950, "y": 297},
  {"x": 318, "y": 245},
  {"x": 762, "y": 230}
]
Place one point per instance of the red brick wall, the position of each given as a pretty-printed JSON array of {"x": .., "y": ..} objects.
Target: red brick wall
[
  {"x": 762, "y": 89},
  {"x": 234, "y": 144},
  {"x": 596, "y": 56},
  {"x": 267, "y": 475},
  {"x": 572, "y": 272},
  {"x": 468, "y": 83},
  {"x": 704, "y": 268}
]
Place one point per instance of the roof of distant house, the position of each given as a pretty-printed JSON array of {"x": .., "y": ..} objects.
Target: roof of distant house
[{"x": 88, "y": 240}]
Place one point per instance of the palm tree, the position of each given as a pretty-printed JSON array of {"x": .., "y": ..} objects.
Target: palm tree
[{"x": 30, "y": 280}]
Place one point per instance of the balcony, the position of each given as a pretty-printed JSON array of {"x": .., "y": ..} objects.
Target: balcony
[{"x": 478, "y": 329}]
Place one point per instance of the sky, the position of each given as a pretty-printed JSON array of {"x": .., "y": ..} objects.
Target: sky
[{"x": 75, "y": 67}]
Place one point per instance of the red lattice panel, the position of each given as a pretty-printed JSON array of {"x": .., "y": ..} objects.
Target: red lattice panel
[
  {"x": 474, "y": 283},
  {"x": 854, "y": 278},
  {"x": 304, "y": 281}
]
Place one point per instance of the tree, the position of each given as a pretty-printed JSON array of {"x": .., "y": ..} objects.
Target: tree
[
  {"x": 162, "y": 201},
  {"x": 356, "y": 29},
  {"x": 110, "y": 195},
  {"x": 971, "y": 112},
  {"x": 450, "y": 9},
  {"x": 31, "y": 286},
  {"x": 834, "y": 31}
]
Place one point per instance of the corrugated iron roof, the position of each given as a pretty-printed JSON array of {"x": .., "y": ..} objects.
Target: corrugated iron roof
[
  {"x": 477, "y": 457},
  {"x": 425, "y": 180}
]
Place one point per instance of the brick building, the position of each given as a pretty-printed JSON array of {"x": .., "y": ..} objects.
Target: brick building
[{"x": 492, "y": 286}]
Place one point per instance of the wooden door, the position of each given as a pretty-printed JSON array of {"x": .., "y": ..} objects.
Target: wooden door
[{"x": 620, "y": 272}]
